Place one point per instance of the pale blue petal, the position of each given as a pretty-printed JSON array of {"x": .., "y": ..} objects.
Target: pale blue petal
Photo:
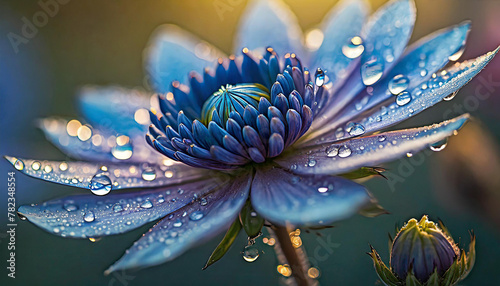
[
  {"x": 340, "y": 158},
  {"x": 288, "y": 199},
  {"x": 84, "y": 216},
  {"x": 385, "y": 37},
  {"x": 99, "y": 145},
  {"x": 269, "y": 23},
  {"x": 172, "y": 53},
  {"x": 422, "y": 59},
  {"x": 121, "y": 176},
  {"x": 339, "y": 26},
  {"x": 188, "y": 226},
  {"x": 115, "y": 109}
]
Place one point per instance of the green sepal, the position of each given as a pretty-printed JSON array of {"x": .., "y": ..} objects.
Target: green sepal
[
  {"x": 364, "y": 172},
  {"x": 434, "y": 280},
  {"x": 373, "y": 209},
  {"x": 471, "y": 257},
  {"x": 225, "y": 243},
  {"x": 411, "y": 280},
  {"x": 252, "y": 224},
  {"x": 451, "y": 276},
  {"x": 383, "y": 272}
]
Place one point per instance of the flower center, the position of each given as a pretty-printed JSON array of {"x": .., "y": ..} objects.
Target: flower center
[{"x": 232, "y": 98}]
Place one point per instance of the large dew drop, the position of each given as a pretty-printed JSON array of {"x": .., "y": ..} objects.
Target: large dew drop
[
  {"x": 403, "y": 98},
  {"x": 89, "y": 216},
  {"x": 372, "y": 71},
  {"x": 100, "y": 184},
  {"x": 122, "y": 152},
  {"x": 149, "y": 174},
  {"x": 439, "y": 146},
  {"x": 250, "y": 253},
  {"x": 398, "y": 84},
  {"x": 19, "y": 165},
  {"x": 354, "y": 48},
  {"x": 319, "y": 77}
]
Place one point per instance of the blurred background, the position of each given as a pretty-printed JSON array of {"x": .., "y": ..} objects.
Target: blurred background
[{"x": 101, "y": 42}]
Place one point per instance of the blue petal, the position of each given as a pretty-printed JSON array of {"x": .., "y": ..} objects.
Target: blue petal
[
  {"x": 284, "y": 198},
  {"x": 83, "y": 216},
  {"x": 339, "y": 26},
  {"x": 276, "y": 145},
  {"x": 115, "y": 109},
  {"x": 101, "y": 146},
  {"x": 189, "y": 226},
  {"x": 269, "y": 23},
  {"x": 339, "y": 158},
  {"x": 121, "y": 176},
  {"x": 429, "y": 54},
  {"x": 172, "y": 53},
  {"x": 385, "y": 37}
]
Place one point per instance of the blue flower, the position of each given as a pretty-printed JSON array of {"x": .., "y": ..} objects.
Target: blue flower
[{"x": 259, "y": 126}]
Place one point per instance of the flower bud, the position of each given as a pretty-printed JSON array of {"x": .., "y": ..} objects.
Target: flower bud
[{"x": 424, "y": 253}]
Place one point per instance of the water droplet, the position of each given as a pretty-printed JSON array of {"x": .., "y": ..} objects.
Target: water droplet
[
  {"x": 409, "y": 154},
  {"x": 197, "y": 215},
  {"x": 398, "y": 84},
  {"x": 122, "y": 152},
  {"x": 451, "y": 96},
  {"x": 311, "y": 163},
  {"x": 457, "y": 55},
  {"x": 149, "y": 174},
  {"x": 440, "y": 145},
  {"x": 382, "y": 138},
  {"x": 177, "y": 223},
  {"x": 70, "y": 207},
  {"x": 47, "y": 169},
  {"x": 100, "y": 184},
  {"x": 19, "y": 165},
  {"x": 63, "y": 166},
  {"x": 423, "y": 72},
  {"x": 89, "y": 216},
  {"x": 332, "y": 151},
  {"x": 21, "y": 216},
  {"x": 403, "y": 98},
  {"x": 354, "y": 48},
  {"x": 372, "y": 71},
  {"x": 355, "y": 129},
  {"x": 344, "y": 152},
  {"x": 323, "y": 189},
  {"x": 250, "y": 253},
  {"x": 36, "y": 166},
  {"x": 203, "y": 201},
  {"x": 147, "y": 204},
  {"x": 320, "y": 77},
  {"x": 117, "y": 208}
]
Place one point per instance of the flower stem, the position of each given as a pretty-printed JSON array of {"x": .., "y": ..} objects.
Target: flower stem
[{"x": 295, "y": 257}]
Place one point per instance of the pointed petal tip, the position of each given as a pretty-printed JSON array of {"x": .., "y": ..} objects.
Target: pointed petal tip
[{"x": 11, "y": 159}]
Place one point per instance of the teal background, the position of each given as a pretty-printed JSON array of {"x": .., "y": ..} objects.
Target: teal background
[{"x": 101, "y": 42}]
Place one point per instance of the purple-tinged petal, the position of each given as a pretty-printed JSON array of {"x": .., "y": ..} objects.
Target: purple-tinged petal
[
  {"x": 116, "y": 109},
  {"x": 189, "y": 226},
  {"x": 285, "y": 198},
  {"x": 385, "y": 37},
  {"x": 121, "y": 176},
  {"x": 338, "y": 158},
  {"x": 83, "y": 216},
  {"x": 84, "y": 142},
  {"x": 339, "y": 26},
  {"x": 172, "y": 53},
  {"x": 422, "y": 59},
  {"x": 269, "y": 23}
]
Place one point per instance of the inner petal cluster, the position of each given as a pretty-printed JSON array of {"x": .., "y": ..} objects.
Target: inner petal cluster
[{"x": 247, "y": 109}]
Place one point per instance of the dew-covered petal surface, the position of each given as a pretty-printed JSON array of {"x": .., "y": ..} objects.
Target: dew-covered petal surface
[
  {"x": 172, "y": 53},
  {"x": 422, "y": 59},
  {"x": 269, "y": 23},
  {"x": 188, "y": 226},
  {"x": 285, "y": 198},
  {"x": 444, "y": 85},
  {"x": 116, "y": 176},
  {"x": 341, "y": 24},
  {"x": 84, "y": 216},
  {"x": 115, "y": 109},
  {"x": 85, "y": 142},
  {"x": 384, "y": 37},
  {"x": 342, "y": 157}
]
